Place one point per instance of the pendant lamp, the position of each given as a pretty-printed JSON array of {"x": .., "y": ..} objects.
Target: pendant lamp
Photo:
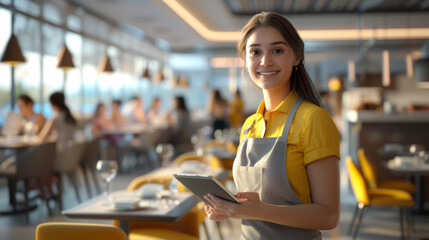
[
  {"x": 13, "y": 56},
  {"x": 65, "y": 62}
]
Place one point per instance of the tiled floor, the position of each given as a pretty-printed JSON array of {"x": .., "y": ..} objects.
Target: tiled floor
[{"x": 377, "y": 224}]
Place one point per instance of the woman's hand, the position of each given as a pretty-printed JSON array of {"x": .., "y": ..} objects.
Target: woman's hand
[
  {"x": 218, "y": 209},
  {"x": 213, "y": 215}
]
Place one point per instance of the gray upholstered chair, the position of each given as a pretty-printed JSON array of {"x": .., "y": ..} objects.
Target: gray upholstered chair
[
  {"x": 67, "y": 163},
  {"x": 32, "y": 163},
  {"x": 88, "y": 162}
]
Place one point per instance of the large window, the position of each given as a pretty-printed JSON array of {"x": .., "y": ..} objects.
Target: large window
[
  {"x": 5, "y": 19},
  {"x": 53, "y": 77},
  {"x": 42, "y": 27},
  {"x": 92, "y": 53},
  {"x": 27, "y": 75},
  {"x": 74, "y": 87}
]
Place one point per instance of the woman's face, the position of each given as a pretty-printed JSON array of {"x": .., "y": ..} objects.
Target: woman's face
[
  {"x": 102, "y": 110},
  {"x": 269, "y": 59},
  {"x": 23, "y": 107}
]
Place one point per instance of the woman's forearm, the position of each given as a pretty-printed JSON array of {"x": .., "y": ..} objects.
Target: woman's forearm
[{"x": 306, "y": 216}]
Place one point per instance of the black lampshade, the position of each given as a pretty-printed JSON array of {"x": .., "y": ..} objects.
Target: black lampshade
[
  {"x": 12, "y": 53},
  {"x": 146, "y": 74},
  {"x": 65, "y": 60},
  {"x": 105, "y": 65}
]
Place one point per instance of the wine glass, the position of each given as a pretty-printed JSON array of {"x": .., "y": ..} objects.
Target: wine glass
[
  {"x": 166, "y": 152},
  {"x": 30, "y": 131},
  {"x": 107, "y": 169}
]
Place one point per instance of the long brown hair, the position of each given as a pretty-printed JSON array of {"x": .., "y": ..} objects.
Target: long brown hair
[
  {"x": 58, "y": 99},
  {"x": 299, "y": 80}
]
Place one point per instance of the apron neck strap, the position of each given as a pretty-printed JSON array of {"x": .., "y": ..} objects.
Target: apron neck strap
[{"x": 290, "y": 117}]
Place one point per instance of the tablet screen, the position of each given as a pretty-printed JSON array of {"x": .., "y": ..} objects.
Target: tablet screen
[{"x": 202, "y": 185}]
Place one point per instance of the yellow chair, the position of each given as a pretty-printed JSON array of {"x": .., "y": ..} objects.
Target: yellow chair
[
  {"x": 378, "y": 197},
  {"x": 370, "y": 174},
  {"x": 221, "y": 163},
  {"x": 219, "y": 144},
  {"x": 80, "y": 231},
  {"x": 188, "y": 156},
  {"x": 192, "y": 156},
  {"x": 186, "y": 228},
  {"x": 158, "y": 234}
]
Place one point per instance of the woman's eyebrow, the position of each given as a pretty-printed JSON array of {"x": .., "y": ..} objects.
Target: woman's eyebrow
[
  {"x": 273, "y": 43},
  {"x": 280, "y": 42}
]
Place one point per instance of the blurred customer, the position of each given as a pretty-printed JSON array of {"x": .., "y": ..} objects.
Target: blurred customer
[
  {"x": 218, "y": 108},
  {"x": 25, "y": 104},
  {"x": 99, "y": 121},
  {"x": 133, "y": 111},
  {"x": 62, "y": 126},
  {"x": 236, "y": 110},
  {"x": 180, "y": 121},
  {"x": 116, "y": 117},
  {"x": 154, "y": 114}
]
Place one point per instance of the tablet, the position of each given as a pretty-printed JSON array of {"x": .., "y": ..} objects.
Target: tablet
[{"x": 202, "y": 185}]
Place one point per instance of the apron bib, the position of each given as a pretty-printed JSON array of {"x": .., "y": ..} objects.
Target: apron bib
[{"x": 260, "y": 167}]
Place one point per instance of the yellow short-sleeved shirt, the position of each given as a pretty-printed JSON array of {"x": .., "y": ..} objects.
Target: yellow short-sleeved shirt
[{"x": 313, "y": 135}]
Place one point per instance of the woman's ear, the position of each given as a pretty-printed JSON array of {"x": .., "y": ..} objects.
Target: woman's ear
[{"x": 297, "y": 60}]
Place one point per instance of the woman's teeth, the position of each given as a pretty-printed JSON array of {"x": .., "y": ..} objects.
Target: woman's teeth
[{"x": 267, "y": 73}]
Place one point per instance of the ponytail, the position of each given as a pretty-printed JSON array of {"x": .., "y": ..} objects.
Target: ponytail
[{"x": 57, "y": 99}]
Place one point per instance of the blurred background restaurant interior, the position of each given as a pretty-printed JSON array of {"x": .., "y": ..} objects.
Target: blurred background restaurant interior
[{"x": 369, "y": 58}]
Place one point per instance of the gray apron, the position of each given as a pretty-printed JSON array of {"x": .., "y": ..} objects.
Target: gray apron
[{"x": 260, "y": 167}]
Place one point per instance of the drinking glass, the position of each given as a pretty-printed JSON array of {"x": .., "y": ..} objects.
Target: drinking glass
[
  {"x": 166, "y": 152},
  {"x": 107, "y": 169},
  {"x": 30, "y": 131}
]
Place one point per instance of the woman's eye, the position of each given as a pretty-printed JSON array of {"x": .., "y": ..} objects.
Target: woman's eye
[
  {"x": 278, "y": 50},
  {"x": 254, "y": 52}
]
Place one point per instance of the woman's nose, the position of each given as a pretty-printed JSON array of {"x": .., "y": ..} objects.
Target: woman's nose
[{"x": 266, "y": 60}]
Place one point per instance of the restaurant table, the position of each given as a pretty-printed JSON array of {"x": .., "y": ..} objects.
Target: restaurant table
[
  {"x": 127, "y": 129},
  {"x": 164, "y": 210},
  {"x": 418, "y": 171},
  {"x": 16, "y": 143}
]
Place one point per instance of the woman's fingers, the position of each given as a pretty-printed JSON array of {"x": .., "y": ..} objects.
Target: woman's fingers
[{"x": 209, "y": 201}]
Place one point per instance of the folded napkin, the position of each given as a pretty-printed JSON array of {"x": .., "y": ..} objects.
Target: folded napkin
[
  {"x": 126, "y": 202},
  {"x": 149, "y": 190}
]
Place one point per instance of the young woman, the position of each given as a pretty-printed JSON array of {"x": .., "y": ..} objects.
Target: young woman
[
  {"x": 179, "y": 121},
  {"x": 218, "y": 109},
  {"x": 62, "y": 125},
  {"x": 99, "y": 121},
  {"x": 25, "y": 104},
  {"x": 116, "y": 116},
  {"x": 287, "y": 166}
]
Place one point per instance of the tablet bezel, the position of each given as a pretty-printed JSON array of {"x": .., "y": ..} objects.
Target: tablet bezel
[{"x": 177, "y": 176}]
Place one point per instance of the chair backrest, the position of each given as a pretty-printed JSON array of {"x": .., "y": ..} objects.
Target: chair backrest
[
  {"x": 80, "y": 231},
  {"x": 140, "y": 181},
  {"x": 36, "y": 161},
  {"x": 91, "y": 151},
  {"x": 358, "y": 182},
  {"x": 369, "y": 172},
  {"x": 187, "y": 157},
  {"x": 68, "y": 159}
]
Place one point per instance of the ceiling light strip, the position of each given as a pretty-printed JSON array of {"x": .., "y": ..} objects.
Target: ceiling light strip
[{"x": 306, "y": 35}]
